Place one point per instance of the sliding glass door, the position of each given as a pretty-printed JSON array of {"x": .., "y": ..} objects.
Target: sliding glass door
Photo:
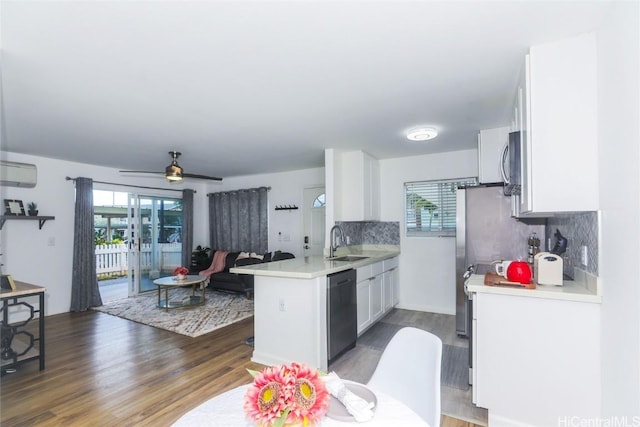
[
  {"x": 155, "y": 240},
  {"x": 138, "y": 239}
]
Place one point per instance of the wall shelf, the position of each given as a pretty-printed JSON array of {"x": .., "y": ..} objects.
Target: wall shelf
[{"x": 41, "y": 219}]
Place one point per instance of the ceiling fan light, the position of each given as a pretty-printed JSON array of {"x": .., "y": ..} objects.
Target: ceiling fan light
[{"x": 173, "y": 172}]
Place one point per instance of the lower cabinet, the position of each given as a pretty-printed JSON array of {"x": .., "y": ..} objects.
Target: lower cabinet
[
  {"x": 377, "y": 303},
  {"x": 396, "y": 286},
  {"x": 387, "y": 285},
  {"x": 363, "y": 295},
  {"x": 377, "y": 291},
  {"x": 536, "y": 361},
  {"x": 390, "y": 282}
]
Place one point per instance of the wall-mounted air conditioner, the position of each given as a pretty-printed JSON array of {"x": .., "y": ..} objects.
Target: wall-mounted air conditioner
[{"x": 13, "y": 174}]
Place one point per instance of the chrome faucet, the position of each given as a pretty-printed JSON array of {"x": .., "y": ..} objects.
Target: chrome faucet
[{"x": 333, "y": 236}]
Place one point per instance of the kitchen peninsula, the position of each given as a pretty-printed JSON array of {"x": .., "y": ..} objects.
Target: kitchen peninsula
[{"x": 290, "y": 308}]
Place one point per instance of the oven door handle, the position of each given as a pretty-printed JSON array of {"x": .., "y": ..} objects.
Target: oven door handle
[{"x": 466, "y": 291}]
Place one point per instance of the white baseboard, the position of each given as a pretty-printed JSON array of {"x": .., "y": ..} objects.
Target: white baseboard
[{"x": 426, "y": 308}]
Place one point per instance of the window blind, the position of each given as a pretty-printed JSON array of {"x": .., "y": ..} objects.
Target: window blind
[{"x": 430, "y": 206}]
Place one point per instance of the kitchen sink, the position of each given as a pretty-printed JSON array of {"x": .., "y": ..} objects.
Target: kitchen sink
[{"x": 349, "y": 258}]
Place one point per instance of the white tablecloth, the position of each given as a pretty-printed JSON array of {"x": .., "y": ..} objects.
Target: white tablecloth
[{"x": 226, "y": 410}]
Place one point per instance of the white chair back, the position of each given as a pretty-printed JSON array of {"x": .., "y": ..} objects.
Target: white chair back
[{"x": 409, "y": 370}]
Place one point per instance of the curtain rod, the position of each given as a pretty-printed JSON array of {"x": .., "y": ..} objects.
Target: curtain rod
[
  {"x": 242, "y": 189},
  {"x": 131, "y": 185}
]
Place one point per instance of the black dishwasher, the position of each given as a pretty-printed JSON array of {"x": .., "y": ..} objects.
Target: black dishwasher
[{"x": 342, "y": 328}]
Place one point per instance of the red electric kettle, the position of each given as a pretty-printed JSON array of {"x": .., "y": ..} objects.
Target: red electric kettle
[{"x": 519, "y": 271}]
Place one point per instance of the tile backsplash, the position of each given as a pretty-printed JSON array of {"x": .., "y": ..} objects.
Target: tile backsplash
[
  {"x": 580, "y": 229},
  {"x": 371, "y": 232}
]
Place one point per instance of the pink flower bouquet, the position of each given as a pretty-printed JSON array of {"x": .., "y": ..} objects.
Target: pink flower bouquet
[
  {"x": 286, "y": 394},
  {"x": 181, "y": 271}
]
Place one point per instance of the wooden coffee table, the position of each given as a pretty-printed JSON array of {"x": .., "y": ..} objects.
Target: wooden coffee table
[{"x": 166, "y": 283}]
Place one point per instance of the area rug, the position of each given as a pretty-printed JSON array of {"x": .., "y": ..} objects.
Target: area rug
[{"x": 220, "y": 309}]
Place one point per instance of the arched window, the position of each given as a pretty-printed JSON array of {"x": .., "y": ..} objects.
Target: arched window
[{"x": 319, "y": 202}]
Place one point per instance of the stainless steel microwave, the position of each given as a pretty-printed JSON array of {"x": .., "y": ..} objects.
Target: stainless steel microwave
[{"x": 510, "y": 165}]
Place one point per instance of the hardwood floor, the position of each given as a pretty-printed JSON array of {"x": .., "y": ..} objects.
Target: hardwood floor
[{"x": 106, "y": 371}]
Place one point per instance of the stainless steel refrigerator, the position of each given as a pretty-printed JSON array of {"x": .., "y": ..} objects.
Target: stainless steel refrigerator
[{"x": 485, "y": 232}]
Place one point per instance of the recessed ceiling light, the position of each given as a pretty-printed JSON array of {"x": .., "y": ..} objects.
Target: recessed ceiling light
[{"x": 422, "y": 134}]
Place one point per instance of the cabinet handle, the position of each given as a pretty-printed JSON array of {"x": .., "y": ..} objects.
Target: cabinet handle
[{"x": 505, "y": 152}]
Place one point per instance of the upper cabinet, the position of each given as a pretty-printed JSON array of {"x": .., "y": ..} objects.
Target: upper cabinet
[
  {"x": 556, "y": 111},
  {"x": 491, "y": 144},
  {"x": 359, "y": 186}
]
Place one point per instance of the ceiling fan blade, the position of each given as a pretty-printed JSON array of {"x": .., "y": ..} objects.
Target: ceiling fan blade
[
  {"x": 193, "y": 175},
  {"x": 156, "y": 172}
]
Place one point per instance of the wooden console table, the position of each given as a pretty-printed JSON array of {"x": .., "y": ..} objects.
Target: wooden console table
[{"x": 17, "y": 344}]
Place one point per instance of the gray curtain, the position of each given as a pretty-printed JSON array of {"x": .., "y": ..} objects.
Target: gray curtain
[
  {"x": 187, "y": 227},
  {"x": 84, "y": 281},
  {"x": 238, "y": 220}
]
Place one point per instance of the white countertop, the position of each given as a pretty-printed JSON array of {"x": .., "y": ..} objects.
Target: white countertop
[
  {"x": 314, "y": 266},
  {"x": 582, "y": 289}
]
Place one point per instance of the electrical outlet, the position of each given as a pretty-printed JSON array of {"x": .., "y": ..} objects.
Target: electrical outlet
[
  {"x": 584, "y": 255},
  {"x": 282, "y": 305},
  {"x": 51, "y": 241}
]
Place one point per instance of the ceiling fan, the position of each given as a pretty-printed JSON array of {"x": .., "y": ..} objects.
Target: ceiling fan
[{"x": 174, "y": 171}]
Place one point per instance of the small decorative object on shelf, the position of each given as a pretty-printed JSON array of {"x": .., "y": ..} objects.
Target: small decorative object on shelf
[
  {"x": 33, "y": 209},
  {"x": 13, "y": 207},
  {"x": 181, "y": 272},
  {"x": 286, "y": 208},
  {"x": 286, "y": 395}
]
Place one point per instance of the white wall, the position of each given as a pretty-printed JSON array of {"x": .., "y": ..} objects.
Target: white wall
[
  {"x": 619, "y": 154},
  {"x": 427, "y": 264},
  {"x": 286, "y": 189},
  {"x": 28, "y": 257}
]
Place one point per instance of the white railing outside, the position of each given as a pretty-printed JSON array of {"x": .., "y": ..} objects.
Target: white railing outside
[{"x": 113, "y": 258}]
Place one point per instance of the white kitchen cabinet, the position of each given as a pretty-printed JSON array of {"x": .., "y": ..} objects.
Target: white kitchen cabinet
[
  {"x": 371, "y": 194},
  {"x": 535, "y": 360},
  {"x": 376, "y": 291},
  {"x": 390, "y": 283},
  {"x": 491, "y": 143},
  {"x": 377, "y": 302},
  {"x": 363, "y": 297},
  {"x": 396, "y": 286},
  {"x": 560, "y": 127},
  {"x": 387, "y": 290},
  {"x": 360, "y": 189}
]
